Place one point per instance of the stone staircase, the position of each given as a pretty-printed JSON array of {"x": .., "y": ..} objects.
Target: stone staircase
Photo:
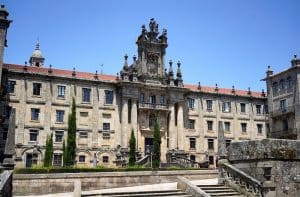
[
  {"x": 176, "y": 193},
  {"x": 219, "y": 190}
]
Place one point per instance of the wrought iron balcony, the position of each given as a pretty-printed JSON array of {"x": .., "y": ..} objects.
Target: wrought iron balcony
[
  {"x": 281, "y": 112},
  {"x": 153, "y": 106}
]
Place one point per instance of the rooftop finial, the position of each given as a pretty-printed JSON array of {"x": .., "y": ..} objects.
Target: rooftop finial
[
  {"x": 216, "y": 88},
  {"x": 199, "y": 86},
  {"x": 74, "y": 72},
  {"x": 263, "y": 92},
  {"x": 249, "y": 91},
  {"x": 50, "y": 69},
  {"x": 96, "y": 74},
  {"x": 295, "y": 56},
  {"x": 233, "y": 90}
]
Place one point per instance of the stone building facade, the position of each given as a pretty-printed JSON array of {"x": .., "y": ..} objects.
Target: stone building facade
[
  {"x": 283, "y": 101},
  {"x": 109, "y": 107}
]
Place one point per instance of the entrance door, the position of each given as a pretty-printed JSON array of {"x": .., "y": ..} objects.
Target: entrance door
[
  {"x": 148, "y": 144},
  {"x": 28, "y": 160}
]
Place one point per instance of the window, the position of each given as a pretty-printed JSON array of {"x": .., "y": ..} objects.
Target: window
[
  {"x": 227, "y": 143},
  {"x": 266, "y": 108},
  {"x": 243, "y": 107},
  {"x": 210, "y": 125},
  {"x": 191, "y": 124},
  {"x": 84, "y": 114},
  {"x": 258, "y": 109},
  {"x": 244, "y": 127},
  {"x": 83, "y": 134},
  {"x": 35, "y": 114},
  {"x": 191, "y": 103},
  {"x": 59, "y": 136},
  {"x": 267, "y": 173},
  {"x": 281, "y": 85},
  {"x": 31, "y": 159},
  {"x": 285, "y": 125},
  {"x": 142, "y": 97},
  {"x": 289, "y": 83},
  {"x": 211, "y": 160},
  {"x": 283, "y": 105},
  {"x": 259, "y": 128},
  {"x": 61, "y": 91},
  {"x": 57, "y": 159},
  {"x": 192, "y": 143},
  {"x": 86, "y": 95},
  {"x": 109, "y": 97},
  {"x": 37, "y": 89},
  {"x": 226, "y": 107},
  {"x": 275, "y": 87},
  {"x": 210, "y": 144},
  {"x": 162, "y": 99},
  {"x": 151, "y": 120},
  {"x": 33, "y": 135},
  {"x": 105, "y": 159},
  {"x": 82, "y": 158},
  {"x": 60, "y": 115},
  {"x": 209, "y": 104},
  {"x": 152, "y": 99},
  {"x": 106, "y": 126},
  {"x": 227, "y": 126},
  {"x": 11, "y": 86},
  {"x": 193, "y": 158}
]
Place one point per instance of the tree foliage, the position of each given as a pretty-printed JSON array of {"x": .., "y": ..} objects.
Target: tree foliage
[
  {"x": 49, "y": 151},
  {"x": 132, "y": 146},
  {"x": 156, "y": 145},
  {"x": 71, "y": 140},
  {"x": 64, "y": 153}
]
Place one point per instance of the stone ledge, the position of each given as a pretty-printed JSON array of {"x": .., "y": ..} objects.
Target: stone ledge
[{"x": 266, "y": 149}]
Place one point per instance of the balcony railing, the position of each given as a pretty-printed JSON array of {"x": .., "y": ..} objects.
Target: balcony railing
[
  {"x": 280, "y": 112},
  {"x": 153, "y": 106}
]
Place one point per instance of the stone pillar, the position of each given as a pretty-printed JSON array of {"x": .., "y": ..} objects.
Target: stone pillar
[
  {"x": 180, "y": 127},
  {"x": 21, "y": 112},
  {"x": 134, "y": 117},
  {"x": 95, "y": 116},
  {"x": 124, "y": 123},
  {"x": 172, "y": 132},
  {"x": 47, "y": 113}
]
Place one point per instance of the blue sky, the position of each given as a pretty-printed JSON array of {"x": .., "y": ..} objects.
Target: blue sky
[{"x": 226, "y": 42}]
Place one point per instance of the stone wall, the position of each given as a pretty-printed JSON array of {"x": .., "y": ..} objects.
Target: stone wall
[
  {"x": 6, "y": 183},
  {"x": 276, "y": 163},
  {"x": 27, "y": 184}
]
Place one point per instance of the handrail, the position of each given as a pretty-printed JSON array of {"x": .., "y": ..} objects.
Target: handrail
[{"x": 241, "y": 179}]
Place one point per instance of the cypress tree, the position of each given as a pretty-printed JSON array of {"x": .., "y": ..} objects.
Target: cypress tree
[
  {"x": 71, "y": 141},
  {"x": 49, "y": 151},
  {"x": 156, "y": 145},
  {"x": 132, "y": 146},
  {"x": 64, "y": 153}
]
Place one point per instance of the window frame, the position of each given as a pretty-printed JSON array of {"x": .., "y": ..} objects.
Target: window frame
[
  {"x": 11, "y": 86},
  {"x": 86, "y": 95},
  {"x": 109, "y": 97},
  {"x": 59, "y": 134},
  {"x": 61, "y": 91},
  {"x": 60, "y": 115},
  {"x": 209, "y": 105},
  {"x": 36, "y": 89},
  {"x": 33, "y": 133},
  {"x": 210, "y": 144},
  {"x": 192, "y": 143},
  {"x": 35, "y": 114}
]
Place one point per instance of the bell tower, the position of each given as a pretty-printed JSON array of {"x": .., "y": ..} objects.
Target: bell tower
[
  {"x": 37, "y": 59},
  {"x": 151, "y": 52}
]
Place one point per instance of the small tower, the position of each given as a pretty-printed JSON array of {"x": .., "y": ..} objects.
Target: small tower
[
  {"x": 37, "y": 58},
  {"x": 4, "y": 24}
]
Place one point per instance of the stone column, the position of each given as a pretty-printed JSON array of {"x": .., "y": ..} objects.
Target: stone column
[
  {"x": 95, "y": 115},
  {"x": 47, "y": 113},
  {"x": 180, "y": 127},
  {"x": 172, "y": 132},
  {"x": 124, "y": 123},
  {"x": 134, "y": 117},
  {"x": 21, "y": 112}
]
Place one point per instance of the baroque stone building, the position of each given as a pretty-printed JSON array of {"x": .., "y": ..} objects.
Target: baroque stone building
[
  {"x": 283, "y": 101},
  {"x": 109, "y": 107}
]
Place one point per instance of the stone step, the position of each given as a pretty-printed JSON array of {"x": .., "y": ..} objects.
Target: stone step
[
  {"x": 169, "y": 193},
  {"x": 229, "y": 190}
]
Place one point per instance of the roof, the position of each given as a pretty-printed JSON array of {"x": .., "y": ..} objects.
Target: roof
[{"x": 113, "y": 78}]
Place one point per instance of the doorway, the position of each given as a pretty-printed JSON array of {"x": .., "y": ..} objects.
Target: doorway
[{"x": 148, "y": 144}]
